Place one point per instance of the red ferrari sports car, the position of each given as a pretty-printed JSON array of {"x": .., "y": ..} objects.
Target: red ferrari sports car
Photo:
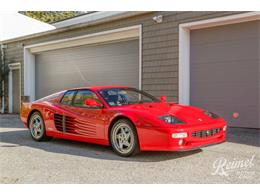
[{"x": 128, "y": 119}]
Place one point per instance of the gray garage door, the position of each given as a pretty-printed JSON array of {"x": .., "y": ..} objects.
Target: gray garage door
[
  {"x": 225, "y": 69},
  {"x": 107, "y": 64}
]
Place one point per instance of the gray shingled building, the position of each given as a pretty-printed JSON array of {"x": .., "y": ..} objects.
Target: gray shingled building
[{"x": 206, "y": 59}]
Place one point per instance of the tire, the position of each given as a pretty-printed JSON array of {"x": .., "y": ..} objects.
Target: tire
[
  {"x": 37, "y": 127},
  {"x": 124, "y": 139}
]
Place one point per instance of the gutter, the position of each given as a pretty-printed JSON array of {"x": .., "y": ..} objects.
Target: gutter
[{"x": 93, "y": 21}]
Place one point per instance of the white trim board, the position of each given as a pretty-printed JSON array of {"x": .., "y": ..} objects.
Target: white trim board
[
  {"x": 94, "y": 38},
  {"x": 140, "y": 57},
  {"x": 121, "y": 34},
  {"x": 184, "y": 46},
  {"x": 13, "y": 66}
]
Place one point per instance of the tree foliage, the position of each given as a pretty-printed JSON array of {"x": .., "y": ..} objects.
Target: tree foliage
[{"x": 51, "y": 16}]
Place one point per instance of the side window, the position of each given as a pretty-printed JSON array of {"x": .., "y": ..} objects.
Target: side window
[
  {"x": 68, "y": 97},
  {"x": 82, "y": 96}
]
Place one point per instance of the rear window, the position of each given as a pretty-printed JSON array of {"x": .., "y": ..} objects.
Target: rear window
[
  {"x": 68, "y": 97},
  {"x": 52, "y": 97}
]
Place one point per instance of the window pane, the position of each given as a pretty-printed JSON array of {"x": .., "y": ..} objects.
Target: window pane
[
  {"x": 67, "y": 98},
  {"x": 82, "y": 96}
]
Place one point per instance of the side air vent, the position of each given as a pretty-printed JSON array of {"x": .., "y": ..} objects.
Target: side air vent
[
  {"x": 58, "y": 122},
  {"x": 72, "y": 125}
]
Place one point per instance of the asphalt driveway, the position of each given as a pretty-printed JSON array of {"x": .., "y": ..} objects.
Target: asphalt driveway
[{"x": 23, "y": 160}]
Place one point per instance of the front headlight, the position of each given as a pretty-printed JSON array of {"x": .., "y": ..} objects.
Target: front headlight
[
  {"x": 211, "y": 114},
  {"x": 171, "y": 119}
]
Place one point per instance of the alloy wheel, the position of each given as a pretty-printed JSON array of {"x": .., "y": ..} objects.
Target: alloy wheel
[
  {"x": 36, "y": 126},
  {"x": 123, "y": 138}
]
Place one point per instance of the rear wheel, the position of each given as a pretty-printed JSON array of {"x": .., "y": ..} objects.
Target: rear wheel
[
  {"x": 123, "y": 138},
  {"x": 37, "y": 127}
]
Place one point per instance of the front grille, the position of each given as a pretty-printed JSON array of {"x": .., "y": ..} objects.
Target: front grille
[{"x": 206, "y": 133}]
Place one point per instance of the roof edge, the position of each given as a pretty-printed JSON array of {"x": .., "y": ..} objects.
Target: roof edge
[{"x": 125, "y": 14}]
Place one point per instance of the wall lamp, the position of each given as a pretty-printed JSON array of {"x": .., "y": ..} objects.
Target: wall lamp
[{"x": 158, "y": 18}]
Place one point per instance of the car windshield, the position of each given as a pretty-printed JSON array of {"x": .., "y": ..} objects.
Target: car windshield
[{"x": 126, "y": 96}]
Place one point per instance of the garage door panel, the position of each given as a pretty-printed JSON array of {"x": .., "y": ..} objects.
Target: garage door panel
[
  {"x": 246, "y": 49},
  {"x": 47, "y": 85},
  {"x": 225, "y": 72},
  {"x": 215, "y": 34},
  {"x": 108, "y": 64}
]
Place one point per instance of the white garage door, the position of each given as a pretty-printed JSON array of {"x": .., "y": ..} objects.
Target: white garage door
[
  {"x": 107, "y": 64},
  {"x": 224, "y": 72}
]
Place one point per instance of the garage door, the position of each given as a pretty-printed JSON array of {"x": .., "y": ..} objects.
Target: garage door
[
  {"x": 107, "y": 64},
  {"x": 225, "y": 72}
]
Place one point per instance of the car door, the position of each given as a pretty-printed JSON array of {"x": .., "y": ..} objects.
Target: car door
[
  {"x": 74, "y": 117},
  {"x": 88, "y": 121}
]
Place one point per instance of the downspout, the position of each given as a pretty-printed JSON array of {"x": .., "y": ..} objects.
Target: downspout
[{"x": 3, "y": 47}]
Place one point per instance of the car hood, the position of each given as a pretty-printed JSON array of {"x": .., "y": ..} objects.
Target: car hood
[{"x": 189, "y": 114}]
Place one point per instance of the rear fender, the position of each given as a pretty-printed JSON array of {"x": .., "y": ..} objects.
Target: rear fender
[{"x": 26, "y": 108}]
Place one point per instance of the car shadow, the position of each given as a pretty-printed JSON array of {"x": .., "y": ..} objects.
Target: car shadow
[
  {"x": 21, "y": 137},
  {"x": 247, "y": 136}
]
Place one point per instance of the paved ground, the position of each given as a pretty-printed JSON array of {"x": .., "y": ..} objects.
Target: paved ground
[{"x": 59, "y": 161}]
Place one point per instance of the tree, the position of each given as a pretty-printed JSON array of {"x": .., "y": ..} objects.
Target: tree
[{"x": 51, "y": 16}]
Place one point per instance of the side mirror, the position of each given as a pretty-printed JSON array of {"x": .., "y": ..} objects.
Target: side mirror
[
  {"x": 93, "y": 103},
  {"x": 163, "y": 98}
]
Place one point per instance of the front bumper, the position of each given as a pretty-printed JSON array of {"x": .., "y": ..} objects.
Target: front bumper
[
  {"x": 201, "y": 146},
  {"x": 161, "y": 140}
]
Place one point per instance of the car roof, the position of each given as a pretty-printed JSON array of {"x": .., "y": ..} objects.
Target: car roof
[{"x": 101, "y": 87}]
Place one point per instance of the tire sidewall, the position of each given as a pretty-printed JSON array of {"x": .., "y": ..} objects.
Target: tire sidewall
[
  {"x": 44, "y": 130},
  {"x": 135, "y": 148}
]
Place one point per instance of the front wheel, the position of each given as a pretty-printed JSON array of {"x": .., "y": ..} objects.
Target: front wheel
[
  {"x": 123, "y": 138},
  {"x": 37, "y": 127}
]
